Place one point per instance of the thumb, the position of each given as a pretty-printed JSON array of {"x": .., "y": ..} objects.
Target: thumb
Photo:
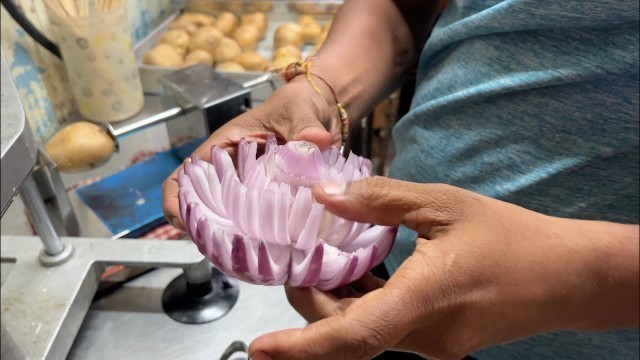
[
  {"x": 372, "y": 324},
  {"x": 316, "y": 134},
  {"x": 385, "y": 201}
]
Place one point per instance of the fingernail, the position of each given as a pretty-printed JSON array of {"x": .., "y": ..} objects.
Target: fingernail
[
  {"x": 259, "y": 355},
  {"x": 333, "y": 187}
]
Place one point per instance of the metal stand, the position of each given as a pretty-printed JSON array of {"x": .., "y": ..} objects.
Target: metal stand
[
  {"x": 44, "y": 304},
  {"x": 43, "y": 308},
  {"x": 202, "y": 294},
  {"x": 44, "y": 301}
]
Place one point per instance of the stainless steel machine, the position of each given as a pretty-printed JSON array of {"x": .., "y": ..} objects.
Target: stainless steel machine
[{"x": 49, "y": 281}]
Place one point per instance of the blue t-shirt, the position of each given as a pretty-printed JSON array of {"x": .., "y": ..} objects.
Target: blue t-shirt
[{"x": 534, "y": 102}]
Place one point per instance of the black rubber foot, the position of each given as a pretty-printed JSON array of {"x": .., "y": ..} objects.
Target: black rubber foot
[{"x": 200, "y": 303}]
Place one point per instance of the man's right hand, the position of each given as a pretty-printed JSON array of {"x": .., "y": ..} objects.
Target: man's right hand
[{"x": 293, "y": 112}]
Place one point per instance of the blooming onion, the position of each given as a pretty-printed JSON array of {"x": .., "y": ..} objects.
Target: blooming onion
[{"x": 261, "y": 224}]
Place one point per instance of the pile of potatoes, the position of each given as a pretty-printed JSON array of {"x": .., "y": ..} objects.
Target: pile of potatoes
[
  {"x": 229, "y": 43},
  {"x": 235, "y": 6}
]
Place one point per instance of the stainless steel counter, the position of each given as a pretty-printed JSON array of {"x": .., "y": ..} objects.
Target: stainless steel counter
[{"x": 130, "y": 323}]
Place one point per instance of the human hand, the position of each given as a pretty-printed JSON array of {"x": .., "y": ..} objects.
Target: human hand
[
  {"x": 490, "y": 272},
  {"x": 293, "y": 112}
]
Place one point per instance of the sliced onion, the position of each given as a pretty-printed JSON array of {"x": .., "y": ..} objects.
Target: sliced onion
[{"x": 260, "y": 223}]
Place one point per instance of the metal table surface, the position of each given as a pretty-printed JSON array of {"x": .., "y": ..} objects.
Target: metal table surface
[{"x": 130, "y": 323}]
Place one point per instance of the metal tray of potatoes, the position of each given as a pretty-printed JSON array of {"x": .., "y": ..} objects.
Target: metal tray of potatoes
[{"x": 279, "y": 12}]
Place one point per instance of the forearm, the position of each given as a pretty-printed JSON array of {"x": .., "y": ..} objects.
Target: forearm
[
  {"x": 370, "y": 46},
  {"x": 609, "y": 291}
]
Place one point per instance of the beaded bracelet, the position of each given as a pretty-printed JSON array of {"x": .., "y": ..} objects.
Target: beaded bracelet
[{"x": 304, "y": 68}]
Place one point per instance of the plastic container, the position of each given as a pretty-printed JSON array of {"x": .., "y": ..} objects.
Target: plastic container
[{"x": 97, "y": 50}]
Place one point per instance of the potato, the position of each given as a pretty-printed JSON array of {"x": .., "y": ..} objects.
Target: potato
[
  {"x": 251, "y": 60},
  {"x": 282, "y": 62},
  {"x": 80, "y": 146},
  {"x": 229, "y": 66},
  {"x": 198, "y": 57},
  {"x": 190, "y": 28},
  {"x": 306, "y": 8},
  {"x": 257, "y": 19},
  {"x": 304, "y": 20},
  {"x": 264, "y": 6},
  {"x": 289, "y": 51},
  {"x": 326, "y": 26},
  {"x": 227, "y": 22},
  {"x": 310, "y": 28},
  {"x": 163, "y": 55},
  {"x": 247, "y": 37},
  {"x": 288, "y": 34},
  {"x": 234, "y": 6},
  {"x": 179, "y": 39},
  {"x": 198, "y": 19},
  {"x": 311, "y": 32},
  {"x": 226, "y": 51},
  {"x": 207, "y": 38}
]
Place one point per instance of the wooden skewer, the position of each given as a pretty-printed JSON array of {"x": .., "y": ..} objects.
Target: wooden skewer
[
  {"x": 54, "y": 7},
  {"x": 84, "y": 8},
  {"x": 68, "y": 7}
]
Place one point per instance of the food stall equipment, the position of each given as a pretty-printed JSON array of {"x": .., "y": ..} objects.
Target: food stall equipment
[{"x": 53, "y": 279}]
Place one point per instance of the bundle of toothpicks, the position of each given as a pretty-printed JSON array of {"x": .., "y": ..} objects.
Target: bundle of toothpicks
[{"x": 76, "y": 8}]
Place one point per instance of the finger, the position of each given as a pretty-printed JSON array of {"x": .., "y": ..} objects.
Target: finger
[
  {"x": 370, "y": 325},
  {"x": 315, "y": 134},
  {"x": 314, "y": 304},
  {"x": 387, "y": 201},
  {"x": 293, "y": 122},
  {"x": 368, "y": 283},
  {"x": 170, "y": 201},
  {"x": 296, "y": 112}
]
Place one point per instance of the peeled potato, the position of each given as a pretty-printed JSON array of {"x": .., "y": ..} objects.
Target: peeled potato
[
  {"x": 190, "y": 28},
  {"x": 227, "y": 22},
  {"x": 206, "y": 38},
  {"x": 235, "y": 6},
  {"x": 288, "y": 34},
  {"x": 289, "y": 51},
  {"x": 226, "y": 51},
  {"x": 163, "y": 55},
  {"x": 179, "y": 39},
  {"x": 257, "y": 19},
  {"x": 198, "y": 19},
  {"x": 264, "y": 6},
  {"x": 311, "y": 32},
  {"x": 306, "y": 8},
  {"x": 282, "y": 62},
  {"x": 229, "y": 66},
  {"x": 326, "y": 26},
  {"x": 247, "y": 37},
  {"x": 310, "y": 28},
  {"x": 304, "y": 20},
  {"x": 198, "y": 57},
  {"x": 80, "y": 146},
  {"x": 252, "y": 61}
]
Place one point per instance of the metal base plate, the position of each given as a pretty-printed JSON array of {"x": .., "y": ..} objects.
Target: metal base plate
[
  {"x": 186, "y": 305},
  {"x": 42, "y": 308}
]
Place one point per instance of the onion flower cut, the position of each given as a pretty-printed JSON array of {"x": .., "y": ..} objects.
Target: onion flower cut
[{"x": 260, "y": 223}]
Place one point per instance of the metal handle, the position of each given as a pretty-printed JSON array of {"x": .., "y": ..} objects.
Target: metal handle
[
  {"x": 262, "y": 79},
  {"x": 235, "y": 347},
  {"x": 166, "y": 115}
]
